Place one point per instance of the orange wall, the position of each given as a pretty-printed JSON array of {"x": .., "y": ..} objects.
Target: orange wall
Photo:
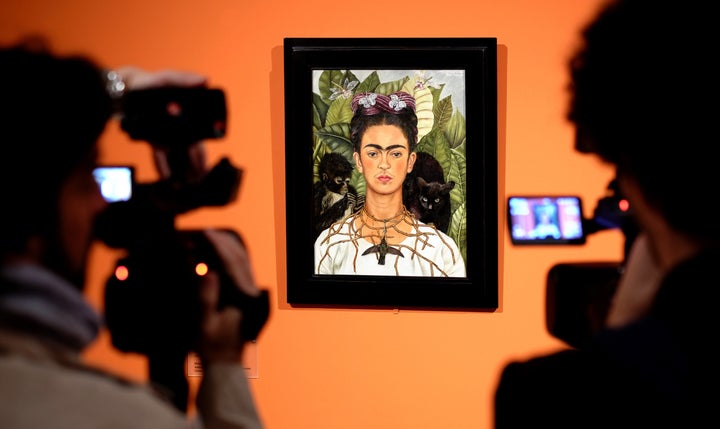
[{"x": 352, "y": 369}]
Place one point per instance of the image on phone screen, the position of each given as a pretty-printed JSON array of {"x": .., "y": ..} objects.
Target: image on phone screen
[
  {"x": 115, "y": 182},
  {"x": 545, "y": 220}
]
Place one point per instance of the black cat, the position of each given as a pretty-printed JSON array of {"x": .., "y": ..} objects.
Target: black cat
[{"x": 426, "y": 194}]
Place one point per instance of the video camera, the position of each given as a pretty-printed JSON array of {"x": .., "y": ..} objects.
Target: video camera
[
  {"x": 152, "y": 306},
  {"x": 578, "y": 295}
]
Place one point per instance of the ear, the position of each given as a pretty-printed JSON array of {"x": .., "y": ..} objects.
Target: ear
[
  {"x": 411, "y": 161},
  {"x": 358, "y": 164}
]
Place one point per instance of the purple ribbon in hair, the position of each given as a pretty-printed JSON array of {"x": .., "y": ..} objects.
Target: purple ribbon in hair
[{"x": 373, "y": 103}]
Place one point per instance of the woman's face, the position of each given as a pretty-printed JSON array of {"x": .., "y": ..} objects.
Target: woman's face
[{"x": 384, "y": 159}]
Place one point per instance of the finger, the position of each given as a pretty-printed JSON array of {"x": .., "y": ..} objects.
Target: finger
[
  {"x": 637, "y": 286},
  {"x": 209, "y": 293},
  {"x": 136, "y": 78}
]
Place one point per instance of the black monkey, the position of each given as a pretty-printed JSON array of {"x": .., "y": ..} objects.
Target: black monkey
[{"x": 333, "y": 195}]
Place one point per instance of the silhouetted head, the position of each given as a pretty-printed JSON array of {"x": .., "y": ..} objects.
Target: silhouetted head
[
  {"x": 644, "y": 93},
  {"x": 54, "y": 109}
]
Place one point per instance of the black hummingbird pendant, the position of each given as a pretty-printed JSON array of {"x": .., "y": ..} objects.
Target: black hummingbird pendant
[{"x": 383, "y": 249}]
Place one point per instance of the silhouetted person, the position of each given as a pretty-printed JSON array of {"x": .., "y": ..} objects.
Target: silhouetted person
[
  {"x": 54, "y": 110},
  {"x": 643, "y": 89}
]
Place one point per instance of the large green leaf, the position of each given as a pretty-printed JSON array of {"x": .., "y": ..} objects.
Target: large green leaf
[
  {"x": 358, "y": 182},
  {"x": 369, "y": 84},
  {"x": 458, "y": 230},
  {"x": 339, "y": 112},
  {"x": 392, "y": 86},
  {"x": 455, "y": 130},
  {"x": 328, "y": 80},
  {"x": 443, "y": 112},
  {"x": 436, "y": 145},
  {"x": 337, "y": 138},
  {"x": 457, "y": 173},
  {"x": 320, "y": 109},
  {"x": 436, "y": 91}
]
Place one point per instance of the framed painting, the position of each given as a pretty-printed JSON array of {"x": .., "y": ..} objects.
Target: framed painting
[{"x": 391, "y": 172}]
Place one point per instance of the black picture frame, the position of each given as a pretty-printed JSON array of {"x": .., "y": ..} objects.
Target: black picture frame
[{"x": 475, "y": 59}]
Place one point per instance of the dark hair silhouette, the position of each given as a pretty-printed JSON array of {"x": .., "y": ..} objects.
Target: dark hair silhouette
[
  {"x": 54, "y": 109},
  {"x": 644, "y": 102}
]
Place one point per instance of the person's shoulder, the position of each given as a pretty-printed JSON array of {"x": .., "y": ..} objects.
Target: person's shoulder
[
  {"x": 557, "y": 387},
  {"x": 115, "y": 401},
  {"x": 541, "y": 365}
]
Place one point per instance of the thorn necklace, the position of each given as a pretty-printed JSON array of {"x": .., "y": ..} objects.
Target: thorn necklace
[{"x": 382, "y": 249}]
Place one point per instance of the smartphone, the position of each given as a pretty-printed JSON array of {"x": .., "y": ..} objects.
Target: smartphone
[
  {"x": 546, "y": 219},
  {"x": 174, "y": 115},
  {"x": 115, "y": 181}
]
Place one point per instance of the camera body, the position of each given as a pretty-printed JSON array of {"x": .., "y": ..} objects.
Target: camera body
[
  {"x": 577, "y": 295},
  {"x": 152, "y": 304},
  {"x": 172, "y": 115}
]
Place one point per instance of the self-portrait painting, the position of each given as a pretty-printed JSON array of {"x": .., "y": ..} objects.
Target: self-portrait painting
[{"x": 391, "y": 172}]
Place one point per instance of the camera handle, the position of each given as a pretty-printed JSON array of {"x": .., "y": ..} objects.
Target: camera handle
[{"x": 167, "y": 372}]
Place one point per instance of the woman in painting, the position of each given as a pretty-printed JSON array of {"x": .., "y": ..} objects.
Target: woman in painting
[{"x": 384, "y": 238}]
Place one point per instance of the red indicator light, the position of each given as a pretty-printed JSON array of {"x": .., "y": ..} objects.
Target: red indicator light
[
  {"x": 174, "y": 108},
  {"x": 624, "y": 205},
  {"x": 201, "y": 269},
  {"x": 121, "y": 272}
]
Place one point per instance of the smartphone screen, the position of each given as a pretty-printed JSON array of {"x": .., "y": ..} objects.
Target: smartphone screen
[
  {"x": 545, "y": 219},
  {"x": 115, "y": 182}
]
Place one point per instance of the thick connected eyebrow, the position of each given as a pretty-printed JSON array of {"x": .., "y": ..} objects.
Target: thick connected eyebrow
[{"x": 380, "y": 148}]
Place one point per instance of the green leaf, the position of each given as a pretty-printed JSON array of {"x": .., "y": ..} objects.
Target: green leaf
[
  {"x": 458, "y": 230},
  {"x": 339, "y": 112},
  {"x": 455, "y": 130},
  {"x": 358, "y": 182},
  {"x": 436, "y": 145},
  {"x": 337, "y": 138},
  {"x": 443, "y": 112},
  {"x": 328, "y": 80},
  {"x": 457, "y": 173},
  {"x": 369, "y": 84},
  {"x": 436, "y": 92},
  {"x": 392, "y": 86},
  {"x": 320, "y": 109}
]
